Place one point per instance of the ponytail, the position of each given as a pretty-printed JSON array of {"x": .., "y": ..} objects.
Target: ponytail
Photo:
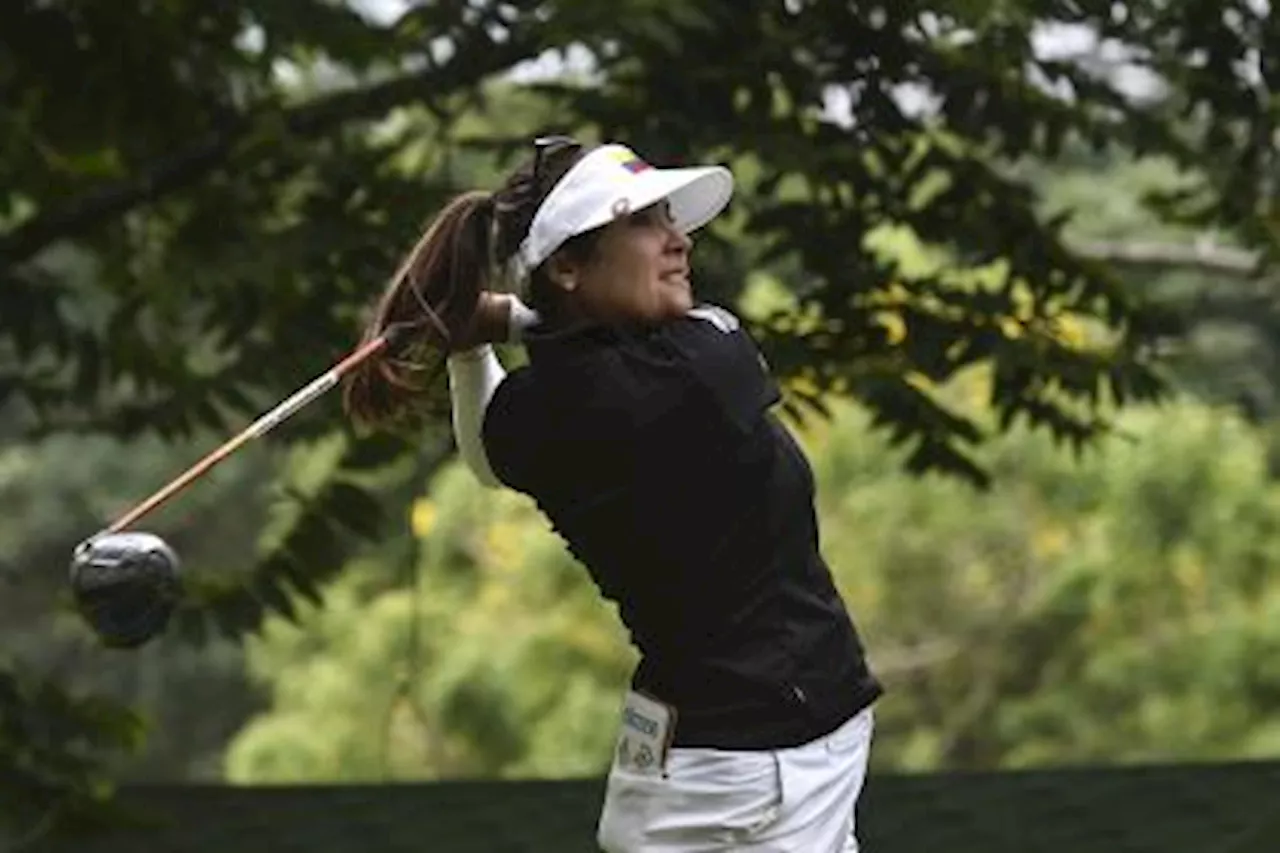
[{"x": 429, "y": 301}]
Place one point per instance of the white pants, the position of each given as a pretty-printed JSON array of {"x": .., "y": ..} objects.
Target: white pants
[{"x": 797, "y": 800}]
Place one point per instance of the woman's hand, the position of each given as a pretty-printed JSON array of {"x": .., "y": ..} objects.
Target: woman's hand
[{"x": 489, "y": 324}]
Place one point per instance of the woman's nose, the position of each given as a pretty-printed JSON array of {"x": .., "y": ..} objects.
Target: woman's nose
[{"x": 677, "y": 240}]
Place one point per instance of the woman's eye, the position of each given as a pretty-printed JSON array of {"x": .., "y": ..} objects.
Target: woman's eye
[{"x": 652, "y": 216}]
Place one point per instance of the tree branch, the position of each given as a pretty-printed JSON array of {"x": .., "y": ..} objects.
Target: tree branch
[
  {"x": 192, "y": 164},
  {"x": 118, "y": 198},
  {"x": 1205, "y": 257}
]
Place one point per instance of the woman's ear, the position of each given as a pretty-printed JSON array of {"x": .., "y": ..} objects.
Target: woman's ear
[{"x": 563, "y": 272}]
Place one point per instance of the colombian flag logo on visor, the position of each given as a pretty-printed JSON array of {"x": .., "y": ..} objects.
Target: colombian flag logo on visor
[{"x": 629, "y": 161}]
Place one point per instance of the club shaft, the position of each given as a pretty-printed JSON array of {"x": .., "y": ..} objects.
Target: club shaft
[{"x": 260, "y": 427}]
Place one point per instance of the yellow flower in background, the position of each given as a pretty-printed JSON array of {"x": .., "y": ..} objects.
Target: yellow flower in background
[
  {"x": 1050, "y": 541},
  {"x": 422, "y": 517}
]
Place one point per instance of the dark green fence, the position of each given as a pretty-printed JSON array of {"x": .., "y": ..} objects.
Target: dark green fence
[{"x": 1218, "y": 808}]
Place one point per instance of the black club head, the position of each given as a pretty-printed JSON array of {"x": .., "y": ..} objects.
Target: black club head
[{"x": 126, "y": 586}]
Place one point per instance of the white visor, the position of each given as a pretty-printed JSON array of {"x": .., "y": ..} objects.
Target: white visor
[{"x": 612, "y": 182}]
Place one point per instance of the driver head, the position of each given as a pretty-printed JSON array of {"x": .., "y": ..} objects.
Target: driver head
[{"x": 126, "y": 586}]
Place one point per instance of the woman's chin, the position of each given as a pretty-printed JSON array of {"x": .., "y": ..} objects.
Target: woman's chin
[{"x": 678, "y": 293}]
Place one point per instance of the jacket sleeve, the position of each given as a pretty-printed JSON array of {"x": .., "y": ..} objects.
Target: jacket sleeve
[{"x": 474, "y": 377}]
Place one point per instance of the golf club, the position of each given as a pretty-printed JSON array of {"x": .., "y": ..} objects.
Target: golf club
[{"x": 125, "y": 583}]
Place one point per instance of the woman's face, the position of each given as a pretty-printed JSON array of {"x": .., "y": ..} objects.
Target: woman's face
[{"x": 638, "y": 271}]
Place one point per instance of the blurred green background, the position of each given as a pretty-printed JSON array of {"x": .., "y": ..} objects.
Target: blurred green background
[{"x": 1012, "y": 261}]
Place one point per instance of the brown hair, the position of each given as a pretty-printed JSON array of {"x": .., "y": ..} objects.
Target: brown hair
[{"x": 432, "y": 296}]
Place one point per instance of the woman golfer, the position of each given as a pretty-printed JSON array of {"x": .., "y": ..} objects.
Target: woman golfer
[{"x": 642, "y": 428}]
